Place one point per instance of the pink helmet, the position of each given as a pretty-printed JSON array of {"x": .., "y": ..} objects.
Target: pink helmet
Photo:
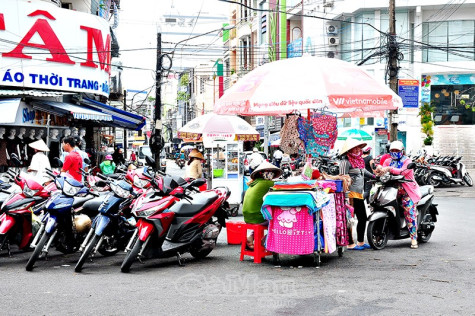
[{"x": 109, "y": 157}]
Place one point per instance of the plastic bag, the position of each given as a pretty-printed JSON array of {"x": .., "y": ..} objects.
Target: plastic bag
[{"x": 307, "y": 170}]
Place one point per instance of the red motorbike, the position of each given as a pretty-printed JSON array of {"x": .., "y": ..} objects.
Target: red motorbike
[
  {"x": 16, "y": 226},
  {"x": 171, "y": 222}
]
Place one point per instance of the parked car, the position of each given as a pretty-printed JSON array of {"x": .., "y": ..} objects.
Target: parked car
[{"x": 247, "y": 154}]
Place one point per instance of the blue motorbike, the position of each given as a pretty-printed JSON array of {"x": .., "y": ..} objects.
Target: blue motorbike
[
  {"x": 111, "y": 230},
  {"x": 61, "y": 225}
]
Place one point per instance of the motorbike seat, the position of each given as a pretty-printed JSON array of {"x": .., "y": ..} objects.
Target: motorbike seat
[
  {"x": 114, "y": 175},
  {"x": 80, "y": 200},
  {"x": 200, "y": 202},
  {"x": 426, "y": 190}
]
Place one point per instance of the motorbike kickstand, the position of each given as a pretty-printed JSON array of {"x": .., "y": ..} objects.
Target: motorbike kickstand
[
  {"x": 9, "y": 250},
  {"x": 178, "y": 257}
]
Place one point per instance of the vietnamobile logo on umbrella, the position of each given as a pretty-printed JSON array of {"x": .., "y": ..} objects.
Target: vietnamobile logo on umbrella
[{"x": 343, "y": 101}]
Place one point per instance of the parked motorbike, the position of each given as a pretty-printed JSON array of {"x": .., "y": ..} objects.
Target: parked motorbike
[
  {"x": 61, "y": 226},
  {"x": 110, "y": 229},
  {"x": 16, "y": 224},
  {"x": 168, "y": 226},
  {"x": 450, "y": 171},
  {"x": 387, "y": 218},
  {"x": 286, "y": 169}
]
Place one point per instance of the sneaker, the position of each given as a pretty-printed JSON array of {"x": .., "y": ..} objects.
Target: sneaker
[{"x": 366, "y": 246}]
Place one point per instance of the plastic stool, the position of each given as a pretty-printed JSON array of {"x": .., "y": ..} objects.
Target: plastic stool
[{"x": 259, "y": 251}]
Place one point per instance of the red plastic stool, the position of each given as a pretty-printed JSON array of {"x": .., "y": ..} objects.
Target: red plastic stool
[{"x": 259, "y": 251}]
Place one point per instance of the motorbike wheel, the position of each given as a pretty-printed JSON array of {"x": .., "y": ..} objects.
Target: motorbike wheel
[
  {"x": 198, "y": 253},
  {"x": 433, "y": 182},
  {"x": 377, "y": 238},
  {"x": 131, "y": 256},
  {"x": 86, "y": 253},
  {"x": 422, "y": 237},
  {"x": 108, "y": 247},
  {"x": 38, "y": 250},
  {"x": 468, "y": 179},
  {"x": 3, "y": 240}
]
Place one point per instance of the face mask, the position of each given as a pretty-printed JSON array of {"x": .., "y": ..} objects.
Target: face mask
[
  {"x": 396, "y": 155},
  {"x": 268, "y": 175}
]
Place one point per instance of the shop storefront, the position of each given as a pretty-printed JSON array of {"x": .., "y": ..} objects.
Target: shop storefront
[{"x": 55, "y": 57}]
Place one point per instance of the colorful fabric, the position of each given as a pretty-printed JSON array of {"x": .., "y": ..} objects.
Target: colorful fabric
[
  {"x": 290, "y": 142},
  {"x": 329, "y": 225},
  {"x": 410, "y": 212},
  {"x": 301, "y": 185},
  {"x": 356, "y": 161},
  {"x": 313, "y": 200},
  {"x": 318, "y": 134},
  {"x": 251, "y": 207},
  {"x": 341, "y": 232},
  {"x": 291, "y": 231},
  {"x": 107, "y": 167},
  {"x": 397, "y": 159}
]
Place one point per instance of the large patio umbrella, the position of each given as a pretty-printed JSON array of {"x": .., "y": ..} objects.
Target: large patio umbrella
[
  {"x": 212, "y": 126},
  {"x": 298, "y": 84},
  {"x": 358, "y": 134}
]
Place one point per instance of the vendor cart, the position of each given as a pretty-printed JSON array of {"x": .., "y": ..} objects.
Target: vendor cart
[
  {"x": 305, "y": 221},
  {"x": 227, "y": 169}
]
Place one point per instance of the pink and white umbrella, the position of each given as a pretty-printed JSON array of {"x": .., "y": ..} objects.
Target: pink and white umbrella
[
  {"x": 283, "y": 86},
  {"x": 212, "y": 126}
]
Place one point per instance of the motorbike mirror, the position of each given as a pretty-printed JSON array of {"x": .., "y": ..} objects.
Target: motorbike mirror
[
  {"x": 149, "y": 160},
  {"x": 412, "y": 165},
  {"x": 87, "y": 161},
  {"x": 58, "y": 161}
]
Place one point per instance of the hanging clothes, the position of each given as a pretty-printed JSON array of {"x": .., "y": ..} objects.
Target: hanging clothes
[
  {"x": 318, "y": 133},
  {"x": 290, "y": 142},
  {"x": 329, "y": 225}
]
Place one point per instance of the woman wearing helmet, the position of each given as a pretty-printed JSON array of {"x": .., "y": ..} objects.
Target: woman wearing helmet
[
  {"x": 409, "y": 191},
  {"x": 108, "y": 165},
  {"x": 195, "y": 169},
  {"x": 352, "y": 164}
]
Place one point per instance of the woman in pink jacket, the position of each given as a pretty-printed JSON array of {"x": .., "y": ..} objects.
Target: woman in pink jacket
[{"x": 408, "y": 192}]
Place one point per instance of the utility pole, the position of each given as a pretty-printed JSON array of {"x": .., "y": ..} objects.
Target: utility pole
[
  {"x": 157, "y": 129},
  {"x": 125, "y": 130},
  {"x": 393, "y": 51}
]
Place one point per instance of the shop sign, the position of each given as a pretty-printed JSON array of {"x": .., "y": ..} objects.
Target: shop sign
[
  {"x": 409, "y": 92},
  {"x": 455, "y": 79},
  {"x": 46, "y": 47},
  {"x": 425, "y": 88},
  {"x": 381, "y": 131},
  {"x": 294, "y": 49},
  {"x": 27, "y": 116}
]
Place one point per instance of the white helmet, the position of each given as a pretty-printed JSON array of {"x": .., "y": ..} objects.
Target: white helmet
[{"x": 396, "y": 145}]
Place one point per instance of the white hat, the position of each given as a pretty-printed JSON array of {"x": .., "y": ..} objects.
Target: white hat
[
  {"x": 39, "y": 145},
  {"x": 351, "y": 143},
  {"x": 396, "y": 145},
  {"x": 266, "y": 166}
]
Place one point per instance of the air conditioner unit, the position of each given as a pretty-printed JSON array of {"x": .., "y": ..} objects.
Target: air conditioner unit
[
  {"x": 332, "y": 29},
  {"x": 333, "y": 41},
  {"x": 333, "y": 53}
]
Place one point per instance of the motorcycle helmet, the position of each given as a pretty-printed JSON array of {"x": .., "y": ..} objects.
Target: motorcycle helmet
[
  {"x": 82, "y": 223},
  {"x": 396, "y": 145}
]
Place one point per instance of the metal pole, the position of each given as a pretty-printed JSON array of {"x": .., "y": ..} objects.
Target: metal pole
[
  {"x": 158, "y": 102},
  {"x": 125, "y": 130},
  {"x": 393, "y": 51}
]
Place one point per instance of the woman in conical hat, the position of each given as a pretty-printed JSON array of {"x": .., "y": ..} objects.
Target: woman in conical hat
[
  {"x": 352, "y": 164},
  {"x": 261, "y": 183},
  {"x": 195, "y": 168},
  {"x": 39, "y": 162}
]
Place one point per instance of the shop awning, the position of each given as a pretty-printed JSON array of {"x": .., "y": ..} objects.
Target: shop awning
[
  {"x": 77, "y": 111},
  {"x": 9, "y": 109},
  {"x": 120, "y": 117}
]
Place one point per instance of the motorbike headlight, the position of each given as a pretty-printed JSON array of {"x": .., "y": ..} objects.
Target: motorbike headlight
[
  {"x": 139, "y": 183},
  {"x": 69, "y": 189},
  {"x": 120, "y": 191},
  {"x": 29, "y": 192}
]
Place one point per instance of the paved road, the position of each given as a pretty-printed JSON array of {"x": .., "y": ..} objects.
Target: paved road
[{"x": 437, "y": 279}]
